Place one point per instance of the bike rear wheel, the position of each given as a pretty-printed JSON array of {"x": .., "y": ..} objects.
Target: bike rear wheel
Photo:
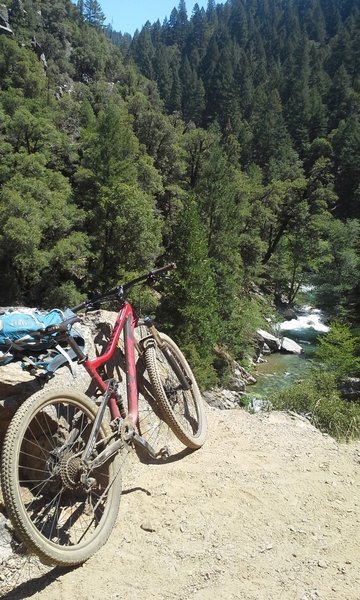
[
  {"x": 58, "y": 514},
  {"x": 182, "y": 409}
]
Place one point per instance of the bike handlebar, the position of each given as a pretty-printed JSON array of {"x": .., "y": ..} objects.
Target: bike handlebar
[{"x": 119, "y": 291}]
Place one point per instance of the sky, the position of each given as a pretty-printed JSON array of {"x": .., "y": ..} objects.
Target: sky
[{"x": 127, "y": 16}]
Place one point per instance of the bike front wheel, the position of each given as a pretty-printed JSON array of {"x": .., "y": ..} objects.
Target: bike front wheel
[
  {"x": 61, "y": 512},
  {"x": 182, "y": 409}
]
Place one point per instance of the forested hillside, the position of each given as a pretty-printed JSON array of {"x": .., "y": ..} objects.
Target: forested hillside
[{"x": 227, "y": 140}]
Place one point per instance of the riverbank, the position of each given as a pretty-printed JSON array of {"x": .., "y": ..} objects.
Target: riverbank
[{"x": 276, "y": 371}]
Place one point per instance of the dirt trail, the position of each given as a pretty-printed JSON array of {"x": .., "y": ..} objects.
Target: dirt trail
[{"x": 268, "y": 509}]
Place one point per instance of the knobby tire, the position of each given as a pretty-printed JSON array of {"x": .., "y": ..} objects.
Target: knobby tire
[
  {"x": 53, "y": 513},
  {"x": 182, "y": 409}
]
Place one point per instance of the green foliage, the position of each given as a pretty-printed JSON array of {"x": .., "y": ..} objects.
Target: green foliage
[
  {"x": 192, "y": 303},
  {"x": 228, "y": 141},
  {"x": 318, "y": 399},
  {"x": 39, "y": 244},
  {"x": 20, "y": 72},
  {"x": 337, "y": 274},
  {"x": 115, "y": 185},
  {"x": 339, "y": 350}
]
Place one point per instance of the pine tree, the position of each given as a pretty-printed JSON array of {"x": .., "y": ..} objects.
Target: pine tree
[
  {"x": 144, "y": 51},
  {"x": 347, "y": 144},
  {"x": 114, "y": 186},
  {"x": 93, "y": 13},
  {"x": 193, "y": 96},
  {"x": 192, "y": 301}
]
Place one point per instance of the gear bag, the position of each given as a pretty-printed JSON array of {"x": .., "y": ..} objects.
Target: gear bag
[{"x": 17, "y": 339}]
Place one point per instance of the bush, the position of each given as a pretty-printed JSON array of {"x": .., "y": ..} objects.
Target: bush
[
  {"x": 337, "y": 350},
  {"x": 201, "y": 366},
  {"x": 318, "y": 399}
]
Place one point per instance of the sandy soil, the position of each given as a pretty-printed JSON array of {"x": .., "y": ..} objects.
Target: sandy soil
[{"x": 268, "y": 509}]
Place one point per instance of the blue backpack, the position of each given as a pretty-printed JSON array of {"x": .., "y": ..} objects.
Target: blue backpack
[{"x": 36, "y": 351}]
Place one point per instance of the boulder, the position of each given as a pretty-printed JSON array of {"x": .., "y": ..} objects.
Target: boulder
[
  {"x": 271, "y": 340},
  {"x": 350, "y": 388},
  {"x": 291, "y": 347},
  {"x": 16, "y": 384},
  {"x": 4, "y": 20},
  {"x": 236, "y": 384},
  {"x": 224, "y": 399}
]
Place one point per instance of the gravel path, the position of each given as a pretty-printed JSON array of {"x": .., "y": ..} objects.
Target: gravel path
[{"x": 268, "y": 509}]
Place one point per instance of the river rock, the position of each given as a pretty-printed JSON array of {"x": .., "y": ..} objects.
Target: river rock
[
  {"x": 288, "y": 345},
  {"x": 271, "y": 340},
  {"x": 265, "y": 350},
  {"x": 289, "y": 313}
]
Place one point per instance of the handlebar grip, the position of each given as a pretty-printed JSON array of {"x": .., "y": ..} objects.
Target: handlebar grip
[
  {"x": 79, "y": 306},
  {"x": 60, "y": 327},
  {"x": 53, "y": 329}
]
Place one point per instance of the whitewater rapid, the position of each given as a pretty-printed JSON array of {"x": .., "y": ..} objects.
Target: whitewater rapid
[{"x": 309, "y": 319}]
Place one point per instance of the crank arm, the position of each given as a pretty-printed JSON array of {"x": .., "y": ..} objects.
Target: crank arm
[{"x": 141, "y": 443}]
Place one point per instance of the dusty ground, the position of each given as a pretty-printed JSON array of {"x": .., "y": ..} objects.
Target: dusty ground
[{"x": 268, "y": 509}]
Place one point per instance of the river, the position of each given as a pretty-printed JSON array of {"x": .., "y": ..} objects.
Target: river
[{"x": 281, "y": 370}]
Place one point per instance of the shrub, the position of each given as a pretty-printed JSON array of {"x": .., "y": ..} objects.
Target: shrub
[
  {"x": 337, "y": 351},
  {"x": 318, "y": 399}
]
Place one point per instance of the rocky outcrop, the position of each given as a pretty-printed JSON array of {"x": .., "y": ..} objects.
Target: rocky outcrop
[
  {"x": 350, "y": 389},
  {"x": 240, "y": 379},
  {"x": 40, "y": 53},
  {"x": 16, "y": 384},
  {"x": 4, "y": 20},
  {"x": 224, "y": 399},
  {"x": 5, "y": 27},
  {"x": 268, "y": 342}
]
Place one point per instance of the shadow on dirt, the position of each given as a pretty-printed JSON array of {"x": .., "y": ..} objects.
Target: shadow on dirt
[{"x": 32, "y": 587}]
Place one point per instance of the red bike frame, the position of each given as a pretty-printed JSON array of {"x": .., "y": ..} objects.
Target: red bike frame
[{"x": 126, "y": 320}]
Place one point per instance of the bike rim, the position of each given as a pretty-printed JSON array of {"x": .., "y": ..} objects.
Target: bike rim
[{"x": 61, "y": 510}]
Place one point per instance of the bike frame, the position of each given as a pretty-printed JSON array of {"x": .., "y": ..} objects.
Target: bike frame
[{"x": 126, "y": 321}]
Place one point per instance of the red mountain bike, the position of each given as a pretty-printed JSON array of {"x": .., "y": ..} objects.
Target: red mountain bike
[{"x": 61, "y": 460}]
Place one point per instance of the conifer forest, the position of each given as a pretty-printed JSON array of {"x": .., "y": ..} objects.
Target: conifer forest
[{"x": 226, "y": 140}]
